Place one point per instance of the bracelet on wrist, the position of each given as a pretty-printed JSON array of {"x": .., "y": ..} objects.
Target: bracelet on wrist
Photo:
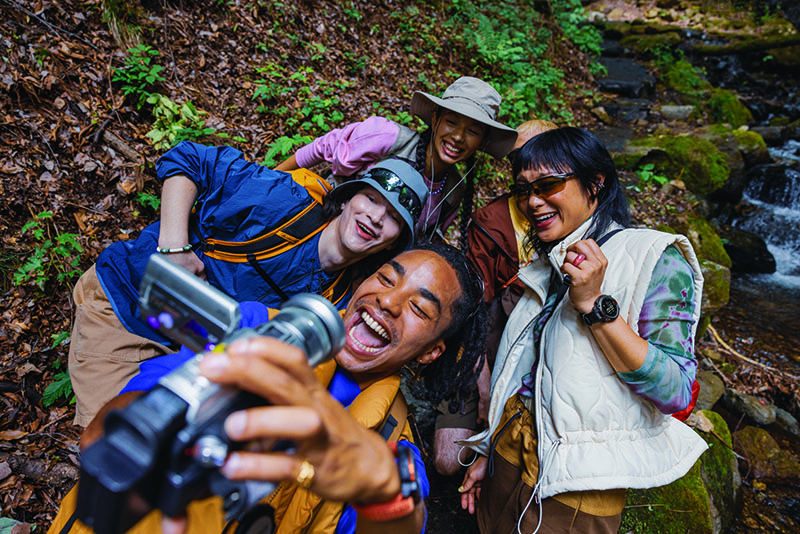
[
  {"x": 405, "y": 501},
  {"x": 177, "y": 250}
]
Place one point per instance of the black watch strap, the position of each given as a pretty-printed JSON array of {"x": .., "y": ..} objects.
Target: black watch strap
[{"x": 605, "y": 310}]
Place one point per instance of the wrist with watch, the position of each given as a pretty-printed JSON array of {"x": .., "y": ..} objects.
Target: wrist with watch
[
  {"x": 406, "y": 501},
  {"x": 604, "y": 310}
]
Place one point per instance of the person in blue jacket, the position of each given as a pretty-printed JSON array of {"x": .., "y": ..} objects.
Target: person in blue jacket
[
  {"x": 254, "y": 233},
  {"x": 424, "y": 307}
]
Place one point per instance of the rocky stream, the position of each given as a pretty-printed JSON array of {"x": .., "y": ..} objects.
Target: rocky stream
[{"x": 724, "y": 130}]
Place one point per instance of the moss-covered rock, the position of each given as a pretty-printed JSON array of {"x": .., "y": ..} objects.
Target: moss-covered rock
[
  {"x": 703, "y": 501},
  {"x": 647, "y": 44},
  {"x": 787, "y": 58},
  {"x": 628, "y": 158},
  {"x": 676, "y": 508},
  {"x": 720, "y": 473},
  {"x": 683, "y": 77},
  {"x": 716, "y": 289},
  {"x": 725, "y": 107},
  {"x": 704, "y": 238},
  {"x": 768, "y": 462},
  {"x": 696, "y": 161},
  {"x": 751, "y": 144},
  {"x": 614, "y": 29}
]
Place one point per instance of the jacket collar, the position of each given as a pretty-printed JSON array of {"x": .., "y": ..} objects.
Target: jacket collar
[{"x": 537, "y": 278}]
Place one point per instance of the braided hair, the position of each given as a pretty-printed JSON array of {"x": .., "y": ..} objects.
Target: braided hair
[
  {"x": 420, "y": 157},
  {"x": 454, "y": 373}
]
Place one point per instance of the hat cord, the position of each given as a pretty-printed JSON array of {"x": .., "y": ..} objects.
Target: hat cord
[{"x": 446, "y": 176}]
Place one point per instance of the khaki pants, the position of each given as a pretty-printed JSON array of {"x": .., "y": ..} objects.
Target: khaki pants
[
  {"x": 103, "y": 355},
  {"x": 506, "y": 493}
]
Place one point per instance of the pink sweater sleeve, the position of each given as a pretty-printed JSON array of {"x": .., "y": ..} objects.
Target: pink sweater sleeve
[{"x": 350, "y": 149}]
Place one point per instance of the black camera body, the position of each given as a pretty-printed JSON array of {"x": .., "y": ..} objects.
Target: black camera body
[{"x": 164, "y": 449}]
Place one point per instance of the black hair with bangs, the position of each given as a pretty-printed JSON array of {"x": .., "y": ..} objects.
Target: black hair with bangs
[{"x": 571, "y": 149}]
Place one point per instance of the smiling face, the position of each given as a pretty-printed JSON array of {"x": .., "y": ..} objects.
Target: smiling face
[
  {"x": 368, "y": 224},
  {"x": 456, "y": 138},
  {"x": 558, "y": 214},
  {"x": 399, "y": 314}
]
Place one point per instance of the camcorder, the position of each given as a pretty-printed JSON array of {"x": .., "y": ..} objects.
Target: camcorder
[{"x": 164, "y": 449}]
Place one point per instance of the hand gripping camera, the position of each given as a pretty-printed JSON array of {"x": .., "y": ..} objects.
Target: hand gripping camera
[{"x": 164, "y": 449}]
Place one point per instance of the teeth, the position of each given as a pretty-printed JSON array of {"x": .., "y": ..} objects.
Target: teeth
[
  {"x": 360, "y": 345},
  {"x": 545, "y": 217},
  {"x": 366, "y": 230},
  {"x": 452, "y": 148},
  {"x": 372, "y": 323}
]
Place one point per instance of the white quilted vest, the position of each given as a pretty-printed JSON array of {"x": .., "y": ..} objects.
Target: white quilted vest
[{"x": 594, "y": 433}]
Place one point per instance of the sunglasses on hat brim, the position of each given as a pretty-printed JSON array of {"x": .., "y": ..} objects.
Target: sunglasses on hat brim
[
  {"x": 543, "y": 187},
  {"x": 392, "y": 183}
]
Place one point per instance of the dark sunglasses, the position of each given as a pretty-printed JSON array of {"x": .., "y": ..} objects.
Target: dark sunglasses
[
  {"x": 543, "y": 187},
  {"x": 391, "y": 183}
]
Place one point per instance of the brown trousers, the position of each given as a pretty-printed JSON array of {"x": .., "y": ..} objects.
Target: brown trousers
[
  {"x": 507, "y": 492},
  {"x": 103, "y": 355}
]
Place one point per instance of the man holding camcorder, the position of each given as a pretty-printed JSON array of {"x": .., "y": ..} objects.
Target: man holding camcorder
[{"x": 409, "y": 312}]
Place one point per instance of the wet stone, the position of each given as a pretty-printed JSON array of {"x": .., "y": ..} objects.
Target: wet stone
[
  {"x": 787, "y": 422},
  {"x": 758, "y": 410},
  {"x": 676, "y": 113},
  {"x": 626, "y": 77},
  {"x": 711, "y": 389}
]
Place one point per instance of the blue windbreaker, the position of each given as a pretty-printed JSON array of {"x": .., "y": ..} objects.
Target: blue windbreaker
[{"x": 237, "y": 200}]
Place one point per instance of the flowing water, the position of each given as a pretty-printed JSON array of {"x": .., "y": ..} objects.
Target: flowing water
[{"x": 773, "y": 195}]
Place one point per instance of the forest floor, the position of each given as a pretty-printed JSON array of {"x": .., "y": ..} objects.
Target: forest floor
[{"x": 74, "y": 147}]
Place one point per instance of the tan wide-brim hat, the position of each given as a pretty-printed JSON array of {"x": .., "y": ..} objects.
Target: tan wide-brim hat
[{"x": 475, "y": 99}]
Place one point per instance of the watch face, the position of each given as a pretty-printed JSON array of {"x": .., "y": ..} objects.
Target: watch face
[{"x": 609, "y": 307}]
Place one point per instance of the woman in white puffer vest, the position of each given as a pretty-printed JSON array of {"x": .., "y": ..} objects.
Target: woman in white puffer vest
[{"x": 595, "y": 358}]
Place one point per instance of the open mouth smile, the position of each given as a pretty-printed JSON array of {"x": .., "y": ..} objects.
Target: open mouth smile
[
  {"x": 542, "y": 221},
  {"x": 452, "y": 150},
  {"x": 368, "y": 335},
  {"x": 366, "y": 230}
]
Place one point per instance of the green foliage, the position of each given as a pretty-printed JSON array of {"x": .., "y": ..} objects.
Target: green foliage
[
  {"x": 58, "y": 339},
  {"x": 139, "y": 74},
  {"x": 352, "y": 12},
  {"x": 175, "y": 123},
  {"x": 282, "y": 147},
  {"x": 356, "y": 64},
  {"x": 59, "y": 255},
  {"x": 40, "y": 54},
  {"x": 508, "y": 43},
  {"x": 148, "y": 200},
  {"x": 570, "y": 17},
  {"x": 60, "y": 387},
  {"x": 401, "y": 117},
  {"x": 305, "y": 104},
  {"x": 647, "y": 175},
  {"x": 318, "y": 51}
]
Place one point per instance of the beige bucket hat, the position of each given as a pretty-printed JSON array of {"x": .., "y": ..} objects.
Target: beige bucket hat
[{"x": 477, "y": 100}]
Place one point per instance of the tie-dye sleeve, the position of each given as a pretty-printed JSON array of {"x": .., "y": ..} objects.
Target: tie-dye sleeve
[{"x": 668, "y": 372}]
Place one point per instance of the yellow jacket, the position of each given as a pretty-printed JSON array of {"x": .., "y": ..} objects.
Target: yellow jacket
[{"x": 296, "y": 509}]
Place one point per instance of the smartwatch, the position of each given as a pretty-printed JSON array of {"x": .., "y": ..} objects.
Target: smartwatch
[
  {"x": 605, "y": 310},
  {"x": 406, "y": 501}
]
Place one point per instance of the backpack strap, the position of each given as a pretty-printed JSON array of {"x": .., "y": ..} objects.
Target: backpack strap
[
  {"x": 394, "y": 423},
  {"x": 290, "y": 231}
]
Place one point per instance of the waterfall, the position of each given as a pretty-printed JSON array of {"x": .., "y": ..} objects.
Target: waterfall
[{"x": 773, "y": 195}]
